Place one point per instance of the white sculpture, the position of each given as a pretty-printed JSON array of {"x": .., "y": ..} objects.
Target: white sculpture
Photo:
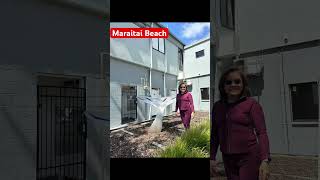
[{"x": 160, "y": 103}]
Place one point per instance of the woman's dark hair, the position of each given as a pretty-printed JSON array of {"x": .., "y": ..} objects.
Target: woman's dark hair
[
  {"x": 245, "y": 90},
  {"x": 182, "y": 83}
]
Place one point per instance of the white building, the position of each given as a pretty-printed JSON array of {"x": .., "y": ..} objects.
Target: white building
[
  {"x": 49, "y": 75},
  {"x": 277, "y": 44},
  {"x": 196, "y": 72},
  {"x": 141, "y": 67}
]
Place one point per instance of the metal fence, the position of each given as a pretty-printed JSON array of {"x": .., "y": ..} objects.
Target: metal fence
[{"x": 61, "y": 133}]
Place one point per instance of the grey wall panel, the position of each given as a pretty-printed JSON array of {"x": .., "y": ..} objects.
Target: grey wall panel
[
  {"x": 46, "y": 37},
  {"x": 272, "y": 103},
  {"x": 258, "y": 28},
  {"x": 115, "y": 104},
  {"x": 126, "y": 73},
  {"x": 172, "y": 58},
  {"x": 132, "y": 50},
  {"x": 197, "y": 66},
  {"x": 158, "y": 60},
  {"x": 301, "y": 66},
  {"x": 18, "y": 129},
  {"x": 157, "y": 81}
]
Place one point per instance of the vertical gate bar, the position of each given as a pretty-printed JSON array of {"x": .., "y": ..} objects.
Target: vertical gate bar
[
  {"x": 85, "y": 137},
  {"x": 55, "y": 135},
  {"x": 73, "y": 135},
  {"x": 59, "y": 124},
  {"x": 81, "y": 137},
  {"x": 46, "y": 122},
  {"x": 64, "y": 131},
  {"x": 68, "y": 134},
  {"x": 51, "y": 111},
  {"x": 41, "y": 135},
  {"x": 38, "y": 96},
  {"x": 77, "y": 131}
]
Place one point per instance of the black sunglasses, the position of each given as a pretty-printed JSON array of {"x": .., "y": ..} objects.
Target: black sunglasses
[{"x": 229, "y": 82}]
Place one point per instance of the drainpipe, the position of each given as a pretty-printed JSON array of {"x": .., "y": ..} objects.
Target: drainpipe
[
  {"x": 150, "y": 81},
  {"x": 319, "y": 133},
  {"x": 164, "y": 73},
  {"x": 284, "y": 104}
]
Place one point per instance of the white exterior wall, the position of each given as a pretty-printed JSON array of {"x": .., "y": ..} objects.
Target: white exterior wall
[
  {"x": 197, "y": 71},
  {"x": 130, "y": 61},
  {"x": 197, "y": 84},
  {"x": 123, "y": 73},
  {"x": 257, "y": 29},
  {"x": 132, "y": 50},
  {"x": 18, "y": 115},
  {"x": 61, "y": 41},
  {"x": 193, "y": 66},
  {"x": 265, "y": 25}
]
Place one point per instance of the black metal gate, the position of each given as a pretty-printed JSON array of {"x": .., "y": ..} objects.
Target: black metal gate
[
  {"x": 129, "y": 104},
  {"x": 61, "y": 134}
]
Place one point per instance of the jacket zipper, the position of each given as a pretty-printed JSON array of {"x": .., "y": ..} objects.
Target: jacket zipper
[{"x": 228, "y": 130}]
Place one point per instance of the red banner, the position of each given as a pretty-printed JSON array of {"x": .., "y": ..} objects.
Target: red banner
[{"x": 139, "y": 32}]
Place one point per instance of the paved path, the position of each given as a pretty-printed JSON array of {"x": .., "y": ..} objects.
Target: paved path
[{"x": 285, "y": 167}]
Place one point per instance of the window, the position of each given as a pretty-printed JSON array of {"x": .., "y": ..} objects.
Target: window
[
  {"x": 227, "y": 13},
  {"x": 305, "y": 102},
  {"x": 161, "y": 45},
  {"x": 189, "y": 88},
  {"x": 205, "y": 94},
  {"x": 158, "y": 44},
  {"x": 155, "y": 44},
  {"x": 180, "y": 57},
  {"x": 200, "y": 53}
]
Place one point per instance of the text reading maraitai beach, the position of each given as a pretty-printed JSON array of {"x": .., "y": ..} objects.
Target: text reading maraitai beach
[{"x": 139, "y": 33}]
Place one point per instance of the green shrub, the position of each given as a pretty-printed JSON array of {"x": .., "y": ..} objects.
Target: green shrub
[
  {"x": 177, "y": 149},
  {"x": 193, "y": 143}
]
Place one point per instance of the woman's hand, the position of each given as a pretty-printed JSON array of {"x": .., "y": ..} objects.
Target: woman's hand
[
  {"x": 177, "y": 113},
  {"x": 192, "y": 115},
  {"x": 264, "y": 171},
  {"x": 213, "y": 168}
]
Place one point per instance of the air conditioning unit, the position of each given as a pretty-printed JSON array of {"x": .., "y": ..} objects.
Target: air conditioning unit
[{"x": 251, "y": 66}]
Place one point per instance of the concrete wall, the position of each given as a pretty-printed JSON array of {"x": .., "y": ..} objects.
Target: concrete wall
[
  {"x": 171, "y": 90},
  {"x": 133, "y": 78},
  {"x": 279, "y": 70},
  {"x": 308, "y": 72},
  {"x": 197, "y": 66},
  {"x": 132, "y": 50},
  {"x": 53, "y": 39},
  {"x": 18, "y": 115},
  {"x": 197, "y": 83},
  {"x": 158, "y": 60},
  {"x": 138, "y": 51},
  {"x": 265, "y": 24},
  {"x": 40, "y": 37},
  {"x": 172, "y": 58}
]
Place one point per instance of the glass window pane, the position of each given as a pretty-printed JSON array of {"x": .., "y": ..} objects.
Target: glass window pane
[
  {"x": 199, "y": 53},
  {"x": 305, "y": 102},
  {"x": 180, "y": 57},
  {"x": 155, "y": 43},
  {"x": 161, "y": 45},
  {"x": 204, "y": 93}
]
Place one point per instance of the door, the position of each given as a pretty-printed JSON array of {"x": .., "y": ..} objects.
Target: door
[
  {"x": 61, "y": 133},
  {"x": 128, "y": 104}
]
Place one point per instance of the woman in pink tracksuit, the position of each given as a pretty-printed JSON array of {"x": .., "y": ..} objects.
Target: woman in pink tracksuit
[
  {"x": 184, "y": 103},
  {"x": 238, "y": 127}
]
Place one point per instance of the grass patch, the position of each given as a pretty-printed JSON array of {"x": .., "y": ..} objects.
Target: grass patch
[{"x": 193, "y": 143}]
